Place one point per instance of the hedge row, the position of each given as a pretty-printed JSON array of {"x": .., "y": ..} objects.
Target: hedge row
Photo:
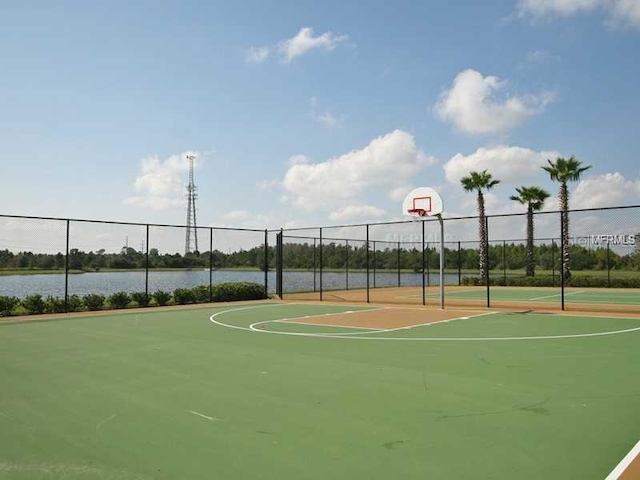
[
  {"x": 549, "y": 281},
  {"x": 224, "y": 292}
]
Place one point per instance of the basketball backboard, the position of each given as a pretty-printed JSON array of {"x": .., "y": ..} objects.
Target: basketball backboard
[{"x": 422, "y": 202}]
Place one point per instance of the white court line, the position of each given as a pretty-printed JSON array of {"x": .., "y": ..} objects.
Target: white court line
[
  {"x": 254, "y": 326},
  {"x": 212, "y": 318},
  {"x": 624, "y": 463},
  {"x": 108, "y": 419},
  {"x": 435, "y": 295},
  {"x": 555, "y": 295},
  {"x": 428, "y": 324},
  {"x": 293, "y": 320},
  {"x": 213, "y": 419}
]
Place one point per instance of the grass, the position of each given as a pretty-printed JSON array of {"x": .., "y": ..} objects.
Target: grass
[{"x": 127, "y": 396}]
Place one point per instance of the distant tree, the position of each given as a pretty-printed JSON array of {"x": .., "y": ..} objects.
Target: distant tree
[
  {"x": 533, "y": 198},
  {"x": 565, "y": 170},
  {"x": 480, "y": 182}
]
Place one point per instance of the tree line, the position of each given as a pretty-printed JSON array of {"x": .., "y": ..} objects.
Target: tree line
[{"x": 304, "y": 255}]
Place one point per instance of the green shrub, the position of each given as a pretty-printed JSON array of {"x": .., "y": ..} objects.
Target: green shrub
[
  {"x": 54, "y": 305},
  {"x": 93, "y": 301},
  {"x": 161, "y": 297},
  {"x": 7, "y": 305},
  {"x": 201, "y": 293},
  {"x": 119, "y": 300},
  {"x": 183, "y": 295},
  {"x": 515, "y": 281},
  {"x": 140, "y": 298},
  {"x": 588, "y": 281},
  {"x": 234, "y": 291},
  {"x": 74, "y": 303},
  {"x": 34, "y": 304}
]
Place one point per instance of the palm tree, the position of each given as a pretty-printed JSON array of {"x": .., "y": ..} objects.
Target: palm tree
[
  {"x": 565, "y": 170},
  {"x": 481, "y": 181},
  {"x": 533, "y": 198}
]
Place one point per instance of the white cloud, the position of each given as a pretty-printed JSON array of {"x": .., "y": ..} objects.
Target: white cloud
[
  {"x": 264, "y": 184},
  {"x": 357, "y": 213},
  {"x": 327, "y": 119},
  {"x": 304, "y": 41},
  {"x": 620, "y": 12},
  {"x": 608, "y": 190},
  {"x": 257, "y": 55},
  {"x": 387, "y": 162},
  {"x": 159, "y": 185},
  {"x": 398, "y": 194},
  {"x": 538, "y": 57},
  {"x": 507, "y": 164},
  {"x": 470, "y": 104},
  {"x": 625, "y": 13},
  {"x": 246, "y": 219},
  {"x": 298, "y": 160},
  {"x": 555, "y": 8}
]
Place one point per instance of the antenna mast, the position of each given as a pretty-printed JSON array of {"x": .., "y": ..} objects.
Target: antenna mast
[{"x": 191, "y": 241}]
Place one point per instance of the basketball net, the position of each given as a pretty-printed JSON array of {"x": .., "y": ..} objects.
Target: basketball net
[{"x": 418, "y": 213}]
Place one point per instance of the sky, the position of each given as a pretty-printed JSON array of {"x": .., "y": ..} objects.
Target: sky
[{"x": 311, "y": 113}]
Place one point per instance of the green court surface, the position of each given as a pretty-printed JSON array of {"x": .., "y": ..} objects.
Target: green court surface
[
  {"x": 548, "y": 295},
  {"x": 241, "y": 392}
]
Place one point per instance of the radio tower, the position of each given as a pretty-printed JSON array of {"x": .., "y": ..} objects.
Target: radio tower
[{"x": 191, "y": 242}]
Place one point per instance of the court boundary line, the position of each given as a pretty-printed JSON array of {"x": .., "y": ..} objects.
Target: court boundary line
[
  {"x": 212, "y": 318},
  {"x": 293, "y": 321},
  {"x": 254, "y": 328},
  {"x": 624, "y": 463},
  {"x": 554, "y": 295}
]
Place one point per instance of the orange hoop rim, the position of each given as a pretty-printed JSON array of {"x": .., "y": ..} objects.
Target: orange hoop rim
[{"x": 421, "y": 212}]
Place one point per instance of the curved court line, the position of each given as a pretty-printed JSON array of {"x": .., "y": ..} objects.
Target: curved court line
[
  {"x": 254, "y": 327},
  {"x": 415, "y": 339}
]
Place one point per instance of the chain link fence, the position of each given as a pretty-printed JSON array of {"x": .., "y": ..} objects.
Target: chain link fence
[
  {"x": 399, "y": 262},
  {"x": 65, "y": 260},
  {"x": 390, "y": 262}
]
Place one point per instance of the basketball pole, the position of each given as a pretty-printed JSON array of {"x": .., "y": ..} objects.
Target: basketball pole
[{"x": 441, "y": 261}]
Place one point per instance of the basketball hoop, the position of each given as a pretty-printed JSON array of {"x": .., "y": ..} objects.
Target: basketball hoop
[
  {"x": 422, "y": 202},
  {"x": 420, "y": 212}
]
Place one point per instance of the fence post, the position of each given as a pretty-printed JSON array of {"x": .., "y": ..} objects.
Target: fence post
[
  {"x": 399, "y": 264},
  {"x": 279, "y": 263},
  {"x": 367, "y": 261},
  {"x": 314, "y": 264},
  {"x": 608, "y": 264},
  {"x": 428, "y": 265},
  {"x": 320, "y": 264},
  {"x": 562, "y": 250},
  {"x": 504, "y": 261},
  {"x": 266, "y": 263},
  {"x": 146, "y": 269},
  {"x": 374, "y": 264},
  {"x": 346, "y": 250},
  {"x": 424, "y": 292},
  {"x": 210, "y": 264},
  {"x": 553, "y": 262},
  {"x": 66, "y": 273},
  {"x": 459, "y": 265},
  {"x": 486, "y": 261}
]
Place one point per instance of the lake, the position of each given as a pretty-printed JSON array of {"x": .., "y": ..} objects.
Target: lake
[{"x": 107, "y": 283}]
